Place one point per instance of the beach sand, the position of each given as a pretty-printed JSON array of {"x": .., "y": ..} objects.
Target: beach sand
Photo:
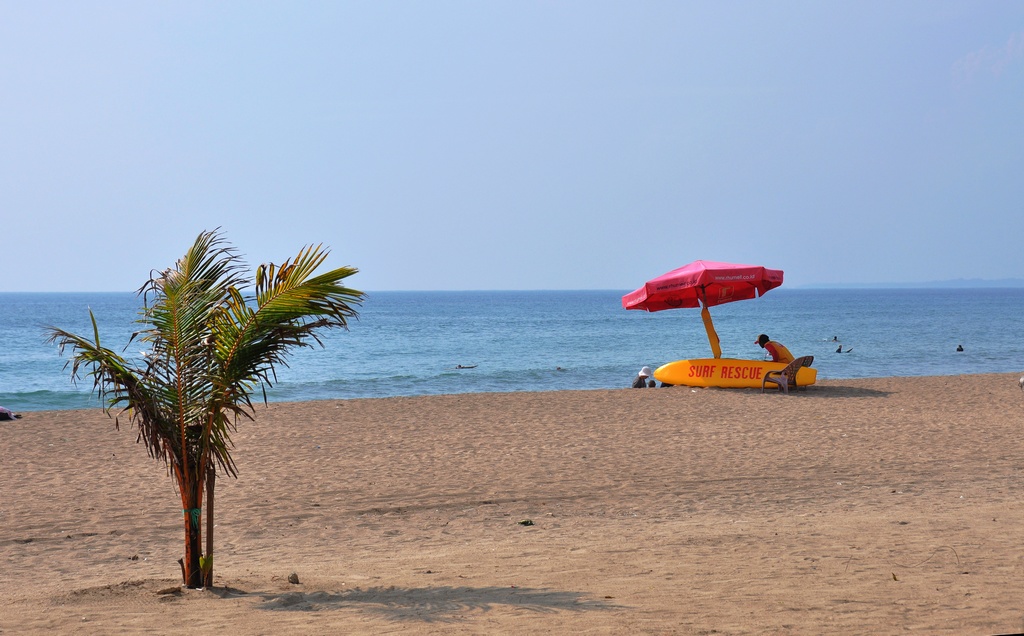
[{"x": 856, "y": 506}]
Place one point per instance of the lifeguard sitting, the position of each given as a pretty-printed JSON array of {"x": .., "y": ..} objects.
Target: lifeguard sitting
[{"x": 778, "y": 352}]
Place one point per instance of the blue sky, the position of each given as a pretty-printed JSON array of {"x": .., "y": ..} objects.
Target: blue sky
[{"x": 513, "y": 145}]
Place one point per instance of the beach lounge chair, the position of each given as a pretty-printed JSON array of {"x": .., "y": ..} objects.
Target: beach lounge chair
[{"x": 786, "y": 378}]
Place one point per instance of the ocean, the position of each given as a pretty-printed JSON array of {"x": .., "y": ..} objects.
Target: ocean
[{"x": 412, "y": 343}]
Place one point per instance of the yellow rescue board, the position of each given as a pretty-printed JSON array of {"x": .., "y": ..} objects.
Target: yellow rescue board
[{"x": 726, "y": 373}]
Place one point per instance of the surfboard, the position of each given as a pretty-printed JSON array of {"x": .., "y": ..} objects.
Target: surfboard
[{"x": 726, "y": 373}]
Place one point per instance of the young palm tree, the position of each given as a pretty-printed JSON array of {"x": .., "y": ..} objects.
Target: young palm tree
[{"x": 211, "y": 346}]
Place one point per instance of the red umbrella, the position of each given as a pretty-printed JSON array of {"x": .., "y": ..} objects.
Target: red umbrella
[{"x": 703, "y": 284}]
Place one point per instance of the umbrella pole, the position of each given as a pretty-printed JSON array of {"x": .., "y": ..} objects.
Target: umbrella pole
[{"x": 716, "y": 346}]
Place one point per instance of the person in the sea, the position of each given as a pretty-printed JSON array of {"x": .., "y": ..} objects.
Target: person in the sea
[
  {"x": 778, "y": 352},
  {"x": 641, "y": 380}
]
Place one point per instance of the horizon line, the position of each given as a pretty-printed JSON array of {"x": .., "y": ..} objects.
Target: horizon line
[{"x": 1007, "y": 283}]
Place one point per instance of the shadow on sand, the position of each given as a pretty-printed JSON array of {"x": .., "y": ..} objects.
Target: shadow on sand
[
  {"x": 830, "y": 391},
  {"x": 441, "y": 604},
  {"x": 839, "y": 391},
  {"x": 435, "y": 604}
]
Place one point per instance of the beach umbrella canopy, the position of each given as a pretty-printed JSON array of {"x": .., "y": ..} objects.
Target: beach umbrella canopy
[{"x": 704, "y": 284}]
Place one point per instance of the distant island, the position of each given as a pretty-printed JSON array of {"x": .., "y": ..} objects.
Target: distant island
[{"x": 959, "y": 283}]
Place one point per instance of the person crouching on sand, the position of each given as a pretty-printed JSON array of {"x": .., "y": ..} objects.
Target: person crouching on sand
[{"x": 642, "y": 380}]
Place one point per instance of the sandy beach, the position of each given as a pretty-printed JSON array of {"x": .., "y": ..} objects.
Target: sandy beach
[{"x": 869, "y": 506}]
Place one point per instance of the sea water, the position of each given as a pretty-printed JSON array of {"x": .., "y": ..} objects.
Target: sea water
[{"x": 412, "y": 343}]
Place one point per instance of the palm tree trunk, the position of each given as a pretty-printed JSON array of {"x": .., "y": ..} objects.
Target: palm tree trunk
[
  {"x": 211, "y": 480},
  {"x": 192, "y": 500}
]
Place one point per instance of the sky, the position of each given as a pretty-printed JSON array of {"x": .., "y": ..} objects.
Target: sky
[{"x": 513, "y": 145}]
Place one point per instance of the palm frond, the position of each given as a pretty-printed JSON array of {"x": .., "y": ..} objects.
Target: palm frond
[{"x": 291, "y": 306}]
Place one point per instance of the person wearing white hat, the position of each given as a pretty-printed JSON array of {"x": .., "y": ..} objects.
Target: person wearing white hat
[{"x": 642, "y": 381}]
